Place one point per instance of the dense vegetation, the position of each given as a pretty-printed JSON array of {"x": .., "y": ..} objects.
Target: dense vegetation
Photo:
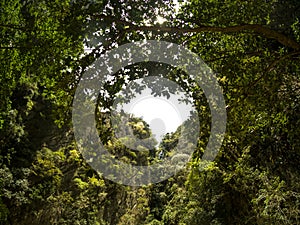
[{"x": 254, "y": 48}]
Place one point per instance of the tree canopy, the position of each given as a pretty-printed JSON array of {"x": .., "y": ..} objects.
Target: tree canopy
[{"x": 252, "y": 46}]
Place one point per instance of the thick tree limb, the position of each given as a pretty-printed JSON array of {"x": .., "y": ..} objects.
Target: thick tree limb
[{"x": 256, "y": 28}]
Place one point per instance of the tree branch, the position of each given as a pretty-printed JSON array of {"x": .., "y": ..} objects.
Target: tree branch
[
  {"x": 267, "y": 70},
  {"x": 272, "y": 66},
  {"x": 256, "y": 28}
]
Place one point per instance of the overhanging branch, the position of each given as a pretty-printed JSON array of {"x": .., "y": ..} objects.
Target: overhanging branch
[{"x": 256, "y": 28}]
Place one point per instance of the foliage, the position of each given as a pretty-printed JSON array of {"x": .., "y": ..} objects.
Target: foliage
[{"x": 253, "y": 46}]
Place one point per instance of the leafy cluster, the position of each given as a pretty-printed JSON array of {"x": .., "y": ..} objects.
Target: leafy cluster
[{"x": 254, "y": 49}]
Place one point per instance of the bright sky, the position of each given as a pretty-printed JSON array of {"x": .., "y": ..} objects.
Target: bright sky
[
  {"x": 151, "y": 108},
  {"x": 161, "y": 115},
  {"x": 164, "y": 115}
]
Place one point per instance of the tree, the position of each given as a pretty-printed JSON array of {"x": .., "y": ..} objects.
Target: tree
[{"x": 254, "y": 51}]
